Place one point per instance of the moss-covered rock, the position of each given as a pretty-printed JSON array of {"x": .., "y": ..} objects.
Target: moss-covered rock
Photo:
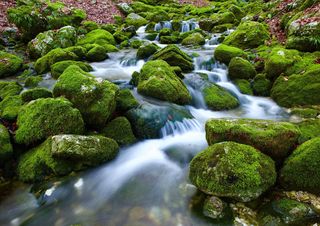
[
  {"x": 125, "y": 100},
  {"x": 195, "y": 39},
  {"x": 49, "y": 40},
  {"x": 214, "y": 207},
  {"x": 175, "y": 57},
  {"x": 249, "y": 34},
  {"x": 9, "y": 89},
  {"x": 120, "y": 130},
  {"x": 276, "y": 139},
  {"x": 224, "y": 53},
  {"x": 240, "y": 68},
  {"x": 44, "y": 63},
  {"x": 98, "y": 36},
  {"x": 9, "y": 64},
  {"x": 300, "y": 89},
  {"x": 222, "y": 18},
  {"x": 217, "y": 98},
  {"x": 59, "y": 155},
  {"x": 80, "y": 51},
  {"x": 10, "y": 107},
  {"x": 96, "y": 53},
  {"x": 6, "y": 150},
  {"x": 87, "y": 26},
  {"x": 301, "y": 169},
  {"x": 309, "y": 129},
  {"x": 96, "y": 99},
  {"x": 244, "y": 86},
  {"x": 58, "y": 68},
  {"x": 146, "y": 51},
  {"x": 170, "y": 39},
  {"x": 135, "y": 20},
  {"x": 261, "y": 85},
  {"x": 233, "y": 170},
  {"x": 32, "y": 81},
  {"x": 35, "y": 93},
  {"x": 305, "y": 112},
  {"x": 158, "y": 80},
  {"x": 42, "y": 118}
]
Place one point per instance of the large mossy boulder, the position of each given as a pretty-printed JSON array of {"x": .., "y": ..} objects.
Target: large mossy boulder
[
  {"x": 157, "y": 79},
  {"x": 96, "y": 99},
  {"x": 135, "y": 20},
  {"x": 249, "y": 34},
  {"x": 9, "y": 64},
  {"x": 9, "y": 89},
  {"x": 175, "y": 57},
  {"x": 35, "y": 93},
  {"x": 6, "y": 150},
  {"x": 232, "y": 170},
  {"x": 38, "y": 16},
  {"x": 45, "y": 117},
  {"x": 98, "y": 36},
  {"x": 276, "y": 139},
  {"x": 224, "y": 53},
  {"x": 240, "y": 68},
  {"x": 61, "y": 154},
  {"x": 10, "y": 107},
  {"x": 49, "y": 40},
  {"x": 58, "y": 68},
  {"x": 147, "y": 120},
  {"x": 120, "y": 130},
  {"x": 146, "y": 51},
  {"x": 194, "y": 40},
  {"x": 301, "y": 169},
  {"x": 217, "y": 98},
  {"x": 298, "y": 89}
]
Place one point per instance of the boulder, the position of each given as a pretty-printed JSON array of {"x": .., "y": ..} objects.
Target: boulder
[
  {"x": 6, "y": 150},
  {"x": 35, "y": 93},
  {"x": 214, "y": 207},
  {"x": 240, "y": 68},
  {"x": 261, "y": 85},
  {"x": 9, "y": 89},
  {"x": 96, "y": 53},
  {"x": 10, "y": 107},
  {"x": 98, "y": 36},
  {"x": 135, "y": 20},
  {"x": 232, "y": 170},
  {"x": 125, "y": 100},
  {"x": 224, "y": 53},
  {"x": 58, "y": 68},
  {"x": 146, "y": 51},
  {"x": 276, "y": 139},
  {"x": 217, "y": 98},
  {"x": 194, "y": 40},
  {"x": 9, "y": 64},
  {"x": 244, "y": 86}
]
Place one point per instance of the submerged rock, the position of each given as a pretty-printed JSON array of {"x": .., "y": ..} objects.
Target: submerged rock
[
  {"x": 233, "y": 170},
  {"x": 9, "y": 64},
  {"x": 276, "y": 139}
]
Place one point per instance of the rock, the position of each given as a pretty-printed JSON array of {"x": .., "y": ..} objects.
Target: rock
[
  {"x": 147, "y": 119},
  {"x": 249, "y": 34},
  {"x": 237, "y": 12},
  {"x": 300, "y": 170},
  {"x": 61, "y": 154},
  {"x": 158, "y": 16},
  {"x": 49, "y": 40},
  {"x": 87, "y": 26},
  {"x": 9, "y": 64},
  {"x": 195, "y": 39},
  {"x": 9, "y": 89},
  {"x": 96, "y": 99},
  {"x": 240, "y": 68},
  {"x": 6, "y": 150},
  {"x": 125, "y": 8},
  {"x": 135, "y": 20},
  {"x": 244, "y": 86},
  {"x": 80, "y": 51},
  {"x": 175, "y": 57},
  {"x": 146, "y": 51},
  {"x": 217, "y": 98},
  {"x": 44, "y": 63},
  {"x": 285, "y": 212},
  {"x": 35, "y": 93},
  {"x": 305, "y": 112},
  {"x": 224, "y": 53},
  {"x": 42, "y": 118},
  {"x": 120, "y": 130},
  {"x": 126, "y": 101},
  {"x": 32, "y": 81},
  {"x": 58, "y": 68},
  {"x": 158, "y": 80},
  {"x": 222, "y": 18},
  {"x": 169, "y": 39},
  {"x": 214, "y": 207},
  {"x": 96, "y": 53},
  {"x": 10, "y": 107},
  {"x": 261, "y": 85},
  {"x": 309, "y": 129},
  {"x": 297, "y": 90},
  {"x": 98, "y": 36},
  {"x": 276, "y": 139},
  {"x": 233, "y": 170}
]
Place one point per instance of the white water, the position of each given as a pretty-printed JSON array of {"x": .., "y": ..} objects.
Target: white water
[{"x": 149, "y": 174}]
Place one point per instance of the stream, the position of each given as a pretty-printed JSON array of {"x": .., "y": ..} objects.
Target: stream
[{"x": 147, "y": 184}]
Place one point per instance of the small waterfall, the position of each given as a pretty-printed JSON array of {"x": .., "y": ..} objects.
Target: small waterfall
[
  {"x": 189, "y": 25},
  {"x": 176, "y": 128},
  {"x": 161, "y": 25}
]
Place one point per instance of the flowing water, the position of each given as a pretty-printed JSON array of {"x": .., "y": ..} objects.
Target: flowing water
[{"x": 147, "y": 184}]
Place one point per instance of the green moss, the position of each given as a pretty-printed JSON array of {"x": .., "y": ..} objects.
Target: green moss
[
  {"x": 98, "y": 36},
  {"x": 10, "y": 107},
  {"x": 35, "y": 93},
  {"x": 32, "y": 81},
  {"x": 6, "y": 150},
  {"x": 309, "y": 129},
  {"x": 135, "y": 20},
  {"x": 169, "y": 39},
  {"x": 120, "y": 130},
  {"x": 136, "y": 43},
  {"x": 89, "y": 25},
  {"x": 221, "y": 28},
  {"x": 146, "y": 51},
  {"x": 158, "y": 16},
  {"x": 237, "y": 12},
  {"x": 58, "y": 68},
  {"x": 96, "y": 54},
  {"x": 261, "y": 85},
  {"x": 301, "y": 169},
  {"x": 125, "y": 100},
  {"x": 300, "y": 89},
  {"x": 195, "y": 39},
  {"x": 80, "y": 51},
  {"x": 42, "y": 118},
  {"x": 307, "y": 112},
  {"x": 222, "y": 18},
  {"x": 244, "y": 86},
  {"x": 218, "y": 99},
  {"x": 224, "y": 53},
  {"x": 249, "y": 34},
  {"x": 9, "y": 89},
  {"x": 276, "y": 139},
  {"x": 158, "y": 80},
  {"x": 96, "y": 99},
  {"x": 9, "y": 64},
  {"x": 232, "y": 170},
  {"x": 240, "y": 68}
]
